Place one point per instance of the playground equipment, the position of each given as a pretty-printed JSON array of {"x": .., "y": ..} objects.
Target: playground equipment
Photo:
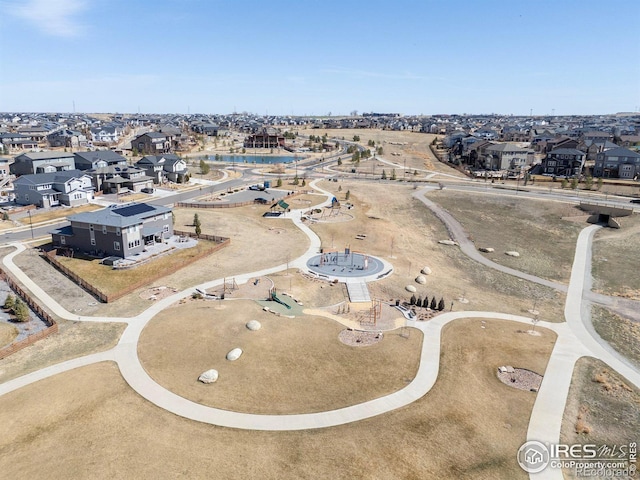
[{"x": 274, "y": 298}]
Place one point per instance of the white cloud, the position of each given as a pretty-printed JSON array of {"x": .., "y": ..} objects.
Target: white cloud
[{"x": 53, "y": 17}]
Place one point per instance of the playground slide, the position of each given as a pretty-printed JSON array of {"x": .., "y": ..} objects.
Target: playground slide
[{"x": 275, "y": 298}]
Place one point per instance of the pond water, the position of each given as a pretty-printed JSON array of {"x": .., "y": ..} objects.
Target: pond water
[{"x": 250, "y": 159}]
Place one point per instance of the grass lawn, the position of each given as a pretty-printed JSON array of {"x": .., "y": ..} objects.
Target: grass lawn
[
  {"x": 111, "y": 281},
  {"x": 602, "y": 409},
  {"x": 302, "y": 355},
  {"x": 7, "y": 333},
  {"x": 469, "y": 426},
  {"x": 616, "y": 259},
  {"x": 621, "y": 333},
  {"x": 534, "y": 228}
]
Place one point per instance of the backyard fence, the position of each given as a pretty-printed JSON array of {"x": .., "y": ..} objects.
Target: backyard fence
[{"x": 52, "y": 326}]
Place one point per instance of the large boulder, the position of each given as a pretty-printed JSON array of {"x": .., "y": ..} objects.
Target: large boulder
[
  {"x": 421, "y": 279},
  {"x": 426, "y": 271},
  {"x": 512, "y": 254},
  {"x": 210, "y": 376},
  {"x": 410, "y": 288},
  {"x": 447, "y": 242},
  {"x": 487, "y": 249},
  {"x": 234, "y": 354},
  {"x": 253, "y": 325}
]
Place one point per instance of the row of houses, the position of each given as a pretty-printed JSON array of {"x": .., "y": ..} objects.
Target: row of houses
[{"x": 56, "y": 178}]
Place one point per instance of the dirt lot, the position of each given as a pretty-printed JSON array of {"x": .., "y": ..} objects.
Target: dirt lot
[
  {"x": 621, "y": 333},
  {"x": 402, "y": 228},
  {"x": 521, "y": 224},
  {"x": 302, "y": 355},
  {"x": 602, "y": 409},
  {"x": 616, "y": 259},
  {"x": 469, "y": 426}
]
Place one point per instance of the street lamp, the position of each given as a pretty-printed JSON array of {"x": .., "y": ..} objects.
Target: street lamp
[{"x": 30, "y": 224}]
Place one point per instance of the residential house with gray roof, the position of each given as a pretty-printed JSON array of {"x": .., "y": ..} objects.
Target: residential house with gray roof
[
  {"x": 43, "y": 162},
  {"x": 152, "y": 143},
  {"x": 119, "y": 179},
  {"x": 565, "y": 162},
  {"x": 165, "y": 167},
  {"x": 120, "y": 230},
  {"x": 98, "y": 159},
  {"x": 70, "y": 187},
  {"x": 617, "y": 163}
]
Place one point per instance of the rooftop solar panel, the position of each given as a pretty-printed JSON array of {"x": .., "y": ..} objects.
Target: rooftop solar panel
[{"x": 135, "y": 209}]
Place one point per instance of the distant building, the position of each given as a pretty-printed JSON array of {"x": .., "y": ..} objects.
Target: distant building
[
  {"x": 507, "y": 156},
  {"x": 563, "y": 162},
  {"x": 161, "y": 167},
  {"x": 42, "y": 162},
  {"x": 152, "y": 143},
  {"x": 617, "y": 163},
  {"x": 45, "y": 190},
  {"x": 267, "y": 138},
  {"x": 67, "y": 138},
  {"x": 120, "y": 231},
  {"x": 119, "y": 178},
  {"x": 98, "y": 159}
]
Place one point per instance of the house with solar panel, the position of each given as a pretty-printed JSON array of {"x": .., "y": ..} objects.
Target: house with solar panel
[{"x": 120, "y": 230}]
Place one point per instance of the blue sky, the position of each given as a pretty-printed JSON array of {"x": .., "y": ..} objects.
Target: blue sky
[{"x": 307, "y": 57}]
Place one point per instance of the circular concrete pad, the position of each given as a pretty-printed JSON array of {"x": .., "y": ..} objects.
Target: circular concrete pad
[{"x": 345, "y": 264}]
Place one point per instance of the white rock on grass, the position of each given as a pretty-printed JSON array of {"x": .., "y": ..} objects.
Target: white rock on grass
[
  {"x": 447, "y": 242},
  {"x": 210, "y": 376},
  {"x": 421, "y": 279},
  {"x": 426, "y": 271},
  {"x": 410, "y": 288},
  {"x": 487, "y": 249},
  {"x": 234, "y": 354},
  {"x": 253, "y": 325},
  {"x": 512, "y": 254}
]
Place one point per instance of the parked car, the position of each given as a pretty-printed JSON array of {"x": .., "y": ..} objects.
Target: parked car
[{"x": 147, "y": 190}]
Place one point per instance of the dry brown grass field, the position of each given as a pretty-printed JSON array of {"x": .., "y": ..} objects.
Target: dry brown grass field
[
  {"x": 413, "y": 147},
  {"x": 287, "y": 355},
  {"x": 537, "y": 229},
  {"x": 58, "y": 213},
  {"x": 7, "y": 333},
  {"x": 602, "y": 408},
  {"x": 401, "y": 227},
  {"x": 616, "y": 259},
  {"x": 74, "y": 339},
  {"x": 622, "y": 333},
  {"x": 469, "y": 426}
]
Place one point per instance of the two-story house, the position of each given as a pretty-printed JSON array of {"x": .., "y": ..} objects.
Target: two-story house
[
  {"x": 617, "y": 163},
  {"x": 67, "y": 138},
  {"x": 118, "y": 179},
  {"x": 161, "y": 167},
  {"x": 45, "y": 190},
  {"x": 42, "y": 162},
  {"x": 563, "y": 162},
  {"x": 507, "y": 156},
  {"x": 98, "y": 159},
  {"x": 152, "y": 143},
  {"x": 120, "y": 230},
  {"x": 106, "y": 134}
]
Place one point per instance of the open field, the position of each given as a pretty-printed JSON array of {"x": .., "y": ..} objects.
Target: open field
[
  {"x": 469, "y": 426},
  {"x": 534, "y": 228},
  {"x": 7, "y": 333},
  {"x": 616, "y": 259},
  {"x": 621, "y": 333},
  {"x": 403, "y": 228},
  {"x": 74, "y": 339},
  {"x": 602, "y": 409},
  {"x": 413, "y": 147},
  {"x": 302, "y": 355}
]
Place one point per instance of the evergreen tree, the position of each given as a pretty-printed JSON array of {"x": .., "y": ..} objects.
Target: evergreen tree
[
  {"x": 384, "y": 175},
  {"x": 196, "y": 220},
  {"x": 279, "y": 183},
  {"x": 433, "y": 303},
  {"x": 412, "y": 300},
  {"x": 10, "y": 302},
  {"x": 441, "y": 304},
  {"x": 393, "y": 174},
  {"x": 425, "y": 302},
  {"x": 21, "y": 311},
  {"x": 347, "y": 195},
  {"x": 419, "y": 302}
]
